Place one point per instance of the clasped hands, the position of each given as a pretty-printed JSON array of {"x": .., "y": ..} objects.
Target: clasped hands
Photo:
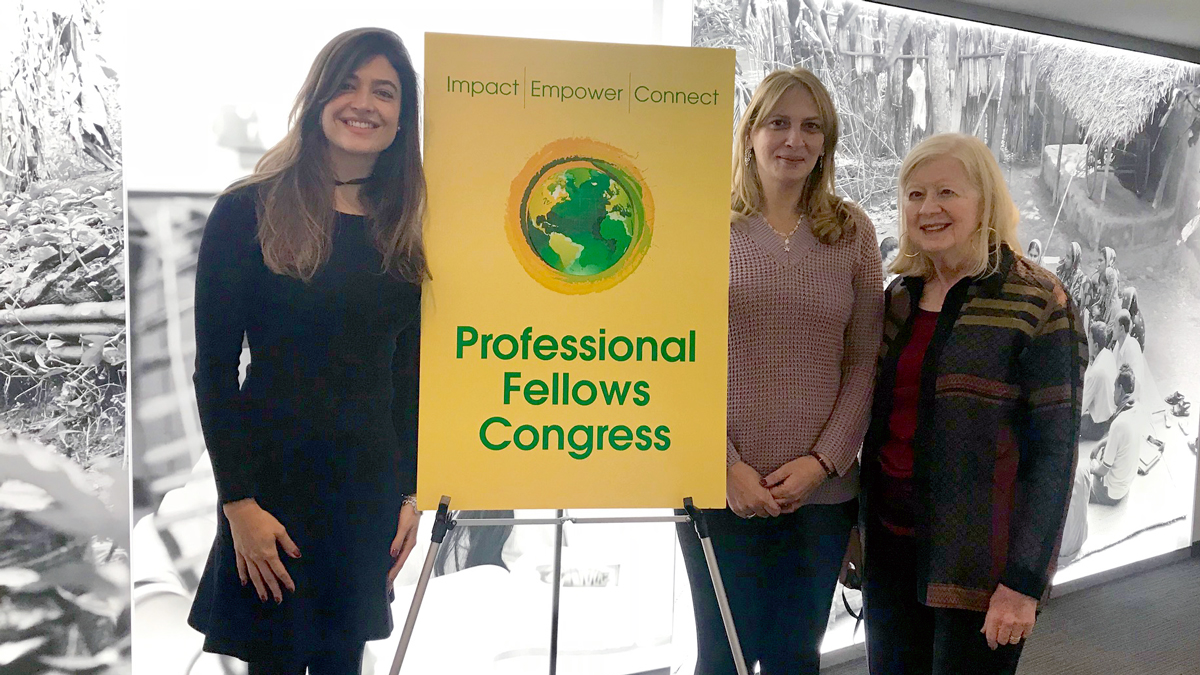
[
  {"x": 258, "y": 537},
  {"x": 782, "y": 491}
]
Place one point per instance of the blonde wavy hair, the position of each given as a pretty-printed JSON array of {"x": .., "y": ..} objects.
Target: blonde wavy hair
[
  {"x": 829, "y": 214},
  {"x": 998, "y": 215}
]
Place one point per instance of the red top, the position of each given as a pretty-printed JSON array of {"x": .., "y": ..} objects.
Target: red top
[{"x": 896, "y": 499}]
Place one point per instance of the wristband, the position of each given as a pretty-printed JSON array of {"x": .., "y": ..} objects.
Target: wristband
[
  {"x": 829, "y": 472},
  {"x": 410, "y": 500}
]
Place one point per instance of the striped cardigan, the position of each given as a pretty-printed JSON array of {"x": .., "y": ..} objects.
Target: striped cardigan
[{"x": 997, "y": 422}]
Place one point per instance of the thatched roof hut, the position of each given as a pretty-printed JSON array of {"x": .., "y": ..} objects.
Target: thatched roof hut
[{"x": 1111, "y": 92}]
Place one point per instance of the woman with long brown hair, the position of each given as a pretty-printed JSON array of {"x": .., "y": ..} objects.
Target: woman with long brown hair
[
  {"x": 316, "y": 261},
  {"x": 805, "y": 310}
]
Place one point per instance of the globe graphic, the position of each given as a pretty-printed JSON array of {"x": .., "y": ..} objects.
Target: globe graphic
[{"x": 580, "y": 216}]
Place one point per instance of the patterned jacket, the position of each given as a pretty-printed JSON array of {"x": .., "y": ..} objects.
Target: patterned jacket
[{"x": 997, "y": 423}]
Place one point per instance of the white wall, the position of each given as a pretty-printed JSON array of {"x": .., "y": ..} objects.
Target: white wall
[{"x": 184, "y": 61}]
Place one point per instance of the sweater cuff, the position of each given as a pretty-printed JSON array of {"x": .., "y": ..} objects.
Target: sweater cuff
[
  {"x": 235, "y": 494},
  {"x": 1025, "y": 582},
  {"x": 842, "y": 459},
  {"x": 731, "y": 454},
  {"x": 234, "y": 482}
]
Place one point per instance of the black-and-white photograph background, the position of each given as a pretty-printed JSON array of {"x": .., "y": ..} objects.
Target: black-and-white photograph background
[
  {"x": 1125, "y": 125},
  {"x": 1100, "y": 150},
  {"x": 64, "y": 481},
  {"x": 624, "y": 603}
]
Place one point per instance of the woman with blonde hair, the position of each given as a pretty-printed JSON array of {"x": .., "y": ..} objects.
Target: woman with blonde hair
[
  {"x": 316, "y": 261},
  {"x": 968, "y": 465},
  {"x": 805, "y": 300}
]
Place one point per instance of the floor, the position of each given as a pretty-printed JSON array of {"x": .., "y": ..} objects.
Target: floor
[{"x": 1145, "y": 624}]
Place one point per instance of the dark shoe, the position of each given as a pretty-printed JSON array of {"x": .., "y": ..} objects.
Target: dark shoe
[
  {"x": 1174, "y": 398},
  {"x": 1181, "y": 409}
]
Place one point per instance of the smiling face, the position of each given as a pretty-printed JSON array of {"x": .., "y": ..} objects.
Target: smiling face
[
  {"x": 788, "y": 140},
  {"x": 942, "y": 209},
  {"x": 362, "y": 118}
]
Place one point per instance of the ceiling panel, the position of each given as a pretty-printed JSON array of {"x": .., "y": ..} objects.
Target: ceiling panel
[
  {"x": 1174, "y": 21},
  {"x": 1165, "y": 27}
]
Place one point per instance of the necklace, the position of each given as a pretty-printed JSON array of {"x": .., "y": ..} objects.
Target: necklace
[
  {"x": 787, "y": 238},
  {"x": 352, "y": 181}
]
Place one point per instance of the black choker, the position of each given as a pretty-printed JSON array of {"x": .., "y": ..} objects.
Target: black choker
[{"x": 352, "y": 181}]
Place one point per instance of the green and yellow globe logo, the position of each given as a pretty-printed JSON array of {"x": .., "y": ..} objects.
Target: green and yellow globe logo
[{"x": 580, "y": 216}]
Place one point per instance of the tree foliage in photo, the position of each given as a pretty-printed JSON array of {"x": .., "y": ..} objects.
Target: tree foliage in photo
[
  {"x": 59, "y": 115},
  {"x": 64, "y": 566}
]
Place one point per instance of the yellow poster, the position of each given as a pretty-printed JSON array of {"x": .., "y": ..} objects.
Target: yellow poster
[{"x": 574, "y": 334}]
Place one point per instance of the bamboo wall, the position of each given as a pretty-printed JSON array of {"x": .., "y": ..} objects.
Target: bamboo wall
[
  {"x": 898, "y": 78},
  {"x": 975, "y": 80}
]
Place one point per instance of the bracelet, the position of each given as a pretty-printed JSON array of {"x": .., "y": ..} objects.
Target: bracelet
[
  {"x": 829, "y": 472},
  {"x": 410, "y": 500}
]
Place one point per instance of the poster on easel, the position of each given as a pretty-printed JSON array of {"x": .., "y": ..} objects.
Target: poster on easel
[{"x": 574, "y": 333}]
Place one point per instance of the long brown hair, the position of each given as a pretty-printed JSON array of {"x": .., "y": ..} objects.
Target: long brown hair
[
  {"x": 295, "y": 179},
  {"x": 830, "y": 215}
]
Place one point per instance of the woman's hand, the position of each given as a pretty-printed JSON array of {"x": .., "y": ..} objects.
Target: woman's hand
[
  {"x": 792, "y": 483},
  {"x": 747, "y": 493},
  {"x": 406, "y": 538},
  {"x": 1010, "y": 617},
  {"x": 257, "y": 537}
]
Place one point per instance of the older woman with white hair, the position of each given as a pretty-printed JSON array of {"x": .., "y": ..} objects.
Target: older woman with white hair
[{"x": 968, "y": 464}]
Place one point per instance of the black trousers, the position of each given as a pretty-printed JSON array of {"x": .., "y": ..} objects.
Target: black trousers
[
  {"x": 779, "y": 576},
  {"x": 343, "y": 659},
  {"x": 904, "y": 637}
]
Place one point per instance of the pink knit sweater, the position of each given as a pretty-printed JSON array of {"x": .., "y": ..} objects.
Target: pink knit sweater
[{"x": 804, "y": 332}]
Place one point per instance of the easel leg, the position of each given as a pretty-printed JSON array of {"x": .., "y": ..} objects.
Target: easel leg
[
  {"x": 710, "y": 556},
  {"x": 558, "y": 547},
  {"x": 441, "y": 525}
]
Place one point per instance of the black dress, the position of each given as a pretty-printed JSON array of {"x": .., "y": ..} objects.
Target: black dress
[{"x": 322, "y": 432}]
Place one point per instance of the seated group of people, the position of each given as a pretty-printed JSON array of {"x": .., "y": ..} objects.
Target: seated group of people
[
  {"x": 1110, "y": 311},
  {"x": 1103, "y": 295},
  {"x": 1119, "y": 393},
  {"x": 1113, "y": 415},
  {"x": 1114, "y": 462}
]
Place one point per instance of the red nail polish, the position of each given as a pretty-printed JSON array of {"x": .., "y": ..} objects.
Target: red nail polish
[{"x": 762, "y": 482}]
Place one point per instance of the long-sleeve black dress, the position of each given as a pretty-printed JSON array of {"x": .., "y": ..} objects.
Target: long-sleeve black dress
[{"x": 322, "y": 432}]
